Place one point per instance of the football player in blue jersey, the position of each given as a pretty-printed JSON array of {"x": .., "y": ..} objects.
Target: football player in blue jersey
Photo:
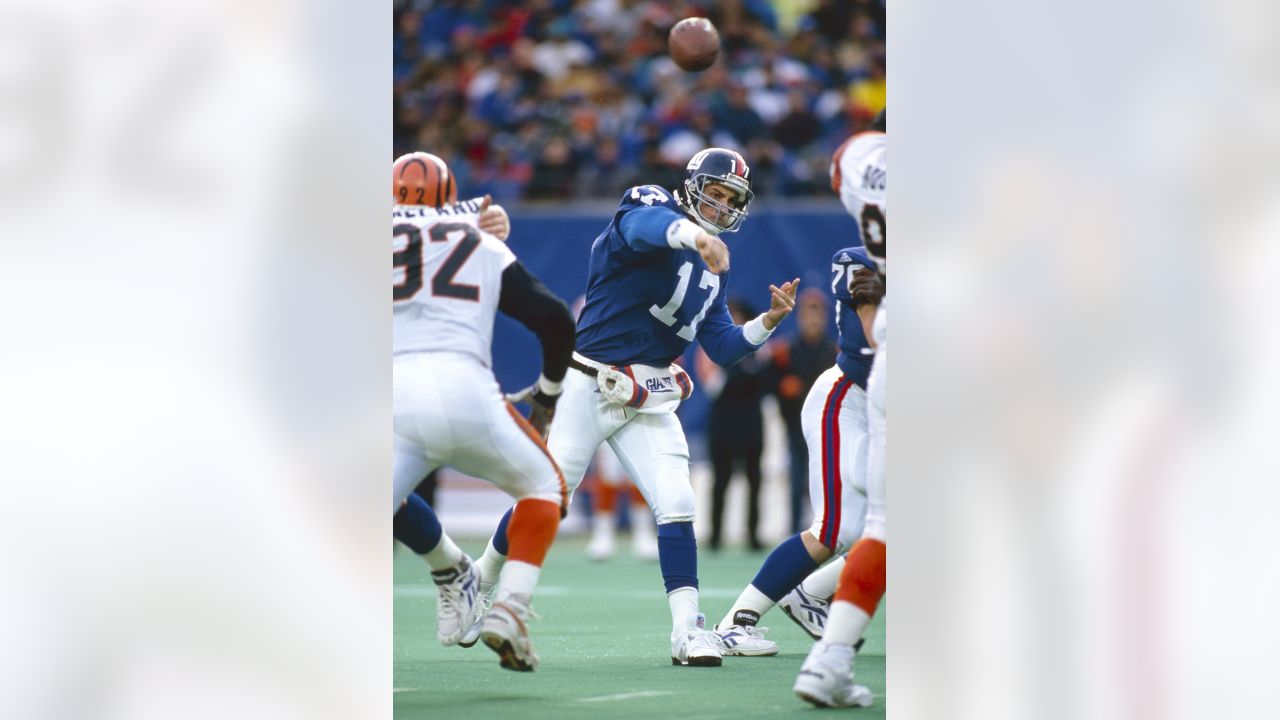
[
  {"x": 834, "y": 419},
  {"x": 656, "y": 283},
  {"x": 859, "y": 173}
]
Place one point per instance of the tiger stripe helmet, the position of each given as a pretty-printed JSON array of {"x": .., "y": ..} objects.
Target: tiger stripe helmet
[{"x": 420, "y": 178}]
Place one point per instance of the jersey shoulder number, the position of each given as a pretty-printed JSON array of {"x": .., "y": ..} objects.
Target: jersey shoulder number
[
  {"x": 646, "y": 196},
  {"x": 843, "y": 264}
]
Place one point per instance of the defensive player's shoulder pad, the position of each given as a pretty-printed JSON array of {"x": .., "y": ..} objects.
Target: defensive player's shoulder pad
[
  {"x": 647, "y": 196},
  {"x": 853, "y": 256}
]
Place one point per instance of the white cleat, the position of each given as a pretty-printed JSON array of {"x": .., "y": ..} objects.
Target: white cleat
[
  {"x": 457, "y": 608},
  {"x": 746, "y": 641},
  {"x": 808, "y": 611},
  {"x": 472, "y": 634},
  {"x": 696, "y": 645},
  {"x": 826, "y": 678},
  {"x": 505, "y": 630}
]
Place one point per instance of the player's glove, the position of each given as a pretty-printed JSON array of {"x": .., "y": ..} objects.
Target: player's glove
[
  {"x": 541, "y": 397},
  {"x": 615, "y": 386},
  {"x": 866, "y": 287}
]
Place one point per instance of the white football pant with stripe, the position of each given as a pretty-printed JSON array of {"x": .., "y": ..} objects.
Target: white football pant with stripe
[{"x": 834, "y": 419}]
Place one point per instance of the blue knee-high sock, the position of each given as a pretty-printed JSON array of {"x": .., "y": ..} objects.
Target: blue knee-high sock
[
  {"x": 417, "y": 526},
  {"x": 500, "y": 535},
  {"x": 678, "y": 555},
  {"x": 785, "y": 568}
]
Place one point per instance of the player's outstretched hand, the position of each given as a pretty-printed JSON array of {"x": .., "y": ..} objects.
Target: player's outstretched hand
[
  {"x": 542, "y": 407},
  {"x": 714, "y": 252},
  {"x": 493, "y": 219},
  {"x": 782, "y": 302}
]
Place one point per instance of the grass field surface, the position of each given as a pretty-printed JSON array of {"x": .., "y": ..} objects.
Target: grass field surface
[{"x": 603, "y": 639}]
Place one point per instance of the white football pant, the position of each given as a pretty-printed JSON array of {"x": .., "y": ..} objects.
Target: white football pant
[
  {"x": 651, "y": 447},
  {"x": 448, "y": 410},
  {"x": 834, "y": 420}
]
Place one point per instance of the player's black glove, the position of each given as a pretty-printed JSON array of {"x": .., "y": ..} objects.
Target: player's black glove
[
  {"x": 542, "y": 397},
  {"x": 866, "y": 287}
]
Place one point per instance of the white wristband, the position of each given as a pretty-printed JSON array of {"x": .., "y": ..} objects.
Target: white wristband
[
  {"x": 547, "y": 387},
  {"x": 683, "y": 234},
  {"x": 754, "y": 330}
]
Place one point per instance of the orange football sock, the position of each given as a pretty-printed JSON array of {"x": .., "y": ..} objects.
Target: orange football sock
[
  {"x": 863, "y": 579},
  {"x": 532, "y": 530},
  {"x": 606, "y": 497}
]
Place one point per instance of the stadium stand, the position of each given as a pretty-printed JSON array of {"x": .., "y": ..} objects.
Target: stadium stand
[{"x": 562, "y": 99}]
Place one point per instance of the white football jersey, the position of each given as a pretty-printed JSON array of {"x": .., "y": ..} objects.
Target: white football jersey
[
  {"x": 447, "y": 276},
  {"x": 858, "y": 175}
]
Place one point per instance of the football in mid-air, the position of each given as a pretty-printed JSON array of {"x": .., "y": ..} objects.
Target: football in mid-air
[{"x": 694, "y": 44}]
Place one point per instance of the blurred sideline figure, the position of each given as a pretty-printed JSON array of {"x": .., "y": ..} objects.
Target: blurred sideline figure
[
  {"x": 655, "y": 284},
  {"x": 796, "y": 366},
  {"x": 859, "y": 172},
  {"x": 611, "y": 481},
  {"x": 450, "y": 278},
  {"x": 735, "y": 431}
]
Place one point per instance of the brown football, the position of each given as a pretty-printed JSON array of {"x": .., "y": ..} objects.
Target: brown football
[{"x": 694, "y": 44}]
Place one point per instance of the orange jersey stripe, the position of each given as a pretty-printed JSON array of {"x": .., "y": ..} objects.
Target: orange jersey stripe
[{"x": 537, "y": 440}]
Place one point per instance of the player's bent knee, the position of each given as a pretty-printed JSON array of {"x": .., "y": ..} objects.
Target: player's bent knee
[
  {"x": 819, "y": 552},
  {"x": 541, "y": 494},
  {"x": 834, "y": 541},
  {"x": 844, "y": 541},
  {"x": 875, "y": 529},
  {"x": 815, "y": 530},
  {"x": 676, "y": 507},
  {"x": 681, "y": 510}
]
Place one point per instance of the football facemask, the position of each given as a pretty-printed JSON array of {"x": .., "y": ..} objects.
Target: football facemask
[{"x": 721, "y": 167}]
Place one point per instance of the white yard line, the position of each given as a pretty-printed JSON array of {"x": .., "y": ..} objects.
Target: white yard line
[{"x": 627, "y": 695}]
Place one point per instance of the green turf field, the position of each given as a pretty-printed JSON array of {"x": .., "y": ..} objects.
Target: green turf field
[{"x": 603, "y": 641}]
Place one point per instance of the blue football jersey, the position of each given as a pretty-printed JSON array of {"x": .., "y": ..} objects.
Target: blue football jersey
[
  {"x": 853, "y": 361},
  {"x": 646, "y": 301}
]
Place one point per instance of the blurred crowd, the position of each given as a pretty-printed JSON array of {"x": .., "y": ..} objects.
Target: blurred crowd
[{"x": 558, "y": 99}]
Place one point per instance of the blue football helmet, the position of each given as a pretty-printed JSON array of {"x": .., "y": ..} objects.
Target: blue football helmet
[{"x": 724, "y": 167}]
